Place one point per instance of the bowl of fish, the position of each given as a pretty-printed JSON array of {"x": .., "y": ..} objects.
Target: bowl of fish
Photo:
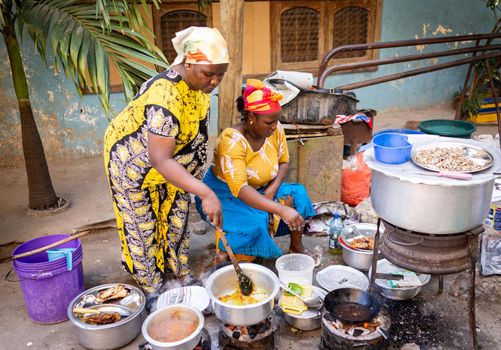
[
  {"x": 233, "y": 307},
  {"x": 357, "y": 243},
  {"x": 108, "y": 316},
  {"x": 453, "y": 157},
  {"x": 175, "y": 327}
]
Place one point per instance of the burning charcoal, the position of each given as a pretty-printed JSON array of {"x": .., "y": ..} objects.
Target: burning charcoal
[
  {"x": 261, "y": 327},
  {"x": 235, "y": 335},
  {"x": 357, "y": 332},
  {"x": 252, "y": 332}
]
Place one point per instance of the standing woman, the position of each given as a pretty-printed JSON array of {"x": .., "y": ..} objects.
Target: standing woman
[{"x": 155, "y": 154}]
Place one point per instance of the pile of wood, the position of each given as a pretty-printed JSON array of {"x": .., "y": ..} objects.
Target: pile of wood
[{"x": 304, "y": 131}]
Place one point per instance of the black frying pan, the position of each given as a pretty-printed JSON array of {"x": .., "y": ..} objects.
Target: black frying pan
[{"x": 351, "y": 305}]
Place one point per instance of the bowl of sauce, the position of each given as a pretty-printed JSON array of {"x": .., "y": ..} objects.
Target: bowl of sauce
[{"x": 175, "y": 327}]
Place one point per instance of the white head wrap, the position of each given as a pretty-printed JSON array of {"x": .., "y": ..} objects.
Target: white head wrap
[{"x": 200, "y": 45}]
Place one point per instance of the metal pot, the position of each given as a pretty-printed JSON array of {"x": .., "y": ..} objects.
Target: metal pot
[
  {"x": 358, "y": 258},
  {"x": 224, "y": 281},
  {"x": 431, "y": 206},
  {"x": 114, "y": 335},
  {"x": 384, "y": 266},
  {"x": 309, "y": 319},
  {"x": 188, "y": 343}
]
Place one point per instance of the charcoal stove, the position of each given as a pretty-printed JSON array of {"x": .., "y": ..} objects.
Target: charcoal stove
[
  {"x": 261, "y": 336},
  {"x": 428, "y": 253},
  {"x": 431, "y": 254},
  {"x": 337, "y": 335}
]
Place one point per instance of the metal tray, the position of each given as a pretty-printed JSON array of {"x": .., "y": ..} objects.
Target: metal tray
[{"x": 477, "y": 154}]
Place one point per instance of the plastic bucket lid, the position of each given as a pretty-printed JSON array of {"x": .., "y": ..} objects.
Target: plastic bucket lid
[
  {"x": 448, "y": 127},
  {"x": 340, "y": 276}
]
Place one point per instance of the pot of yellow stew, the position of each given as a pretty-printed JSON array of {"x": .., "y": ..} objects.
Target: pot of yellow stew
[{"x": 234, "y": 308}]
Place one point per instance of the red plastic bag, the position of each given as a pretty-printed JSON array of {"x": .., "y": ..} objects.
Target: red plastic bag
[{"x": 355, "y": 180}]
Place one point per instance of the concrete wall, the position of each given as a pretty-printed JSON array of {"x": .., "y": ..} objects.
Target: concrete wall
[{"x": 73, "y": 126}]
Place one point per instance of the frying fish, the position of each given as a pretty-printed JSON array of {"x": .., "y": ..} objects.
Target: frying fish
[{"x": 116, "y": 292}]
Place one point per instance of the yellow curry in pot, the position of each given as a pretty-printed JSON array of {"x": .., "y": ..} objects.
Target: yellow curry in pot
[{"x": 237, "y": 298}]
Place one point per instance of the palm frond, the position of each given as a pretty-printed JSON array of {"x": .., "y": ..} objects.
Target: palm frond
[{"x": 83, "y": 42}]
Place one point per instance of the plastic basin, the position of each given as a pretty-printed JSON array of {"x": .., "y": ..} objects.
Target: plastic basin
[
  {"x": 392, "y": 148},
  {"x": 447, "y": 127}
]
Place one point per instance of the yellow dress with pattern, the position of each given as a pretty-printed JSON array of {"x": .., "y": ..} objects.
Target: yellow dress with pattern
[
  {"x": 237, "y": 164},
  {"x": 152, "y": 213}
]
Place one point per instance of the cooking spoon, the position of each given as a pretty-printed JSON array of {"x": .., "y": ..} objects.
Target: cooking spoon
[
  {"x": 244, "y": 281},
  {"x": 314, "y": 302}
]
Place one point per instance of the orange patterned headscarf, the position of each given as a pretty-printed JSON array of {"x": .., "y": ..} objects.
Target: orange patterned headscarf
[
  {"x": 260, "y": 99},
  {"x": 200, "y": 45}
]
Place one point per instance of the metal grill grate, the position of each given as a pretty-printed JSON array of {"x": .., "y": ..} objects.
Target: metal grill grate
[
  {"x": 351, "y": 25},
  {"x": 299, "y": 29},
  {"x": 173, "y": 22}
]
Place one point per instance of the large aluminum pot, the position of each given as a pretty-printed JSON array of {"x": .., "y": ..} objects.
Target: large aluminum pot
[
  {"x": 114, "y": 335},
  {"x": 431, "y": 206},
  {"x": 224, "y": 281}
]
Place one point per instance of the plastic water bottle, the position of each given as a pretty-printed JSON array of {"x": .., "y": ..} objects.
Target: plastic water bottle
[{"x": 335, "y": 229}]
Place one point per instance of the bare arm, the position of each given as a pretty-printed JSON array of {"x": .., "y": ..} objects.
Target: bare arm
[
  {"x": 161, "y": 151},
  {"x": 273, "y": 186},
  {"x": 251, "y": 197}
]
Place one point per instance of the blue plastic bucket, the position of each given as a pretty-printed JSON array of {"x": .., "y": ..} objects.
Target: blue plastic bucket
[
  {"x": 48, "y": 287},
  {"x": 392, "y": 148}
]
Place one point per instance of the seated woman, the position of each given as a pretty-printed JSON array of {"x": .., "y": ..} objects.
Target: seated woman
[{"x": 250, "y": 164}]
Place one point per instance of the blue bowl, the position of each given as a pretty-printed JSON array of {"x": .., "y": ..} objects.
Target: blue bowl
[{"x": 392, "y": 148}]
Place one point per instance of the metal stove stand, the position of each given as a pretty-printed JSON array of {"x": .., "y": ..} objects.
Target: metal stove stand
[{"x": 431, "y": 254}]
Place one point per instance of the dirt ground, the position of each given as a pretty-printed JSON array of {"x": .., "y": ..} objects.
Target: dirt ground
[{"x": 431, "y": 321}]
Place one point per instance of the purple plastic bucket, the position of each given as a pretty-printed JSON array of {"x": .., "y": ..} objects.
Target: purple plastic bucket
[{"x": 48, "y": 287}]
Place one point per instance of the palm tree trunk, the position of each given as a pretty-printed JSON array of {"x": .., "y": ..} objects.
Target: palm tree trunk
[{"x": 41, "y": 191}]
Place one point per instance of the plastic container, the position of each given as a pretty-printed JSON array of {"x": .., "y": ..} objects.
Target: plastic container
[
  {"x": 448, "y": 127},
  {"x": 399, "y": 131},
  {"x": 392, "y": 148},
  {"x": 297, "y": 268},
  {"x": 48, "y": 287},
  {"x": 335, "y": 229}
]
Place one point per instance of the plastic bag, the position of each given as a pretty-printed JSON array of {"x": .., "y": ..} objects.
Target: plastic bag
[
  {"x": 355, "y": 180},
  {"x": 490, "y": 255}
]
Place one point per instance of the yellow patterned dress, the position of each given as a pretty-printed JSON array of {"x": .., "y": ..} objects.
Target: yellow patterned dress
[{"x": 151, "y": 213}]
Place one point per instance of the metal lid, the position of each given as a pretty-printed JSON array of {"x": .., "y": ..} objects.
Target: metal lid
[{"x": 340, "y": 276}]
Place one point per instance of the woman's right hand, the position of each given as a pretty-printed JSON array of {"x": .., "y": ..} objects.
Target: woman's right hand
[
  {"x": 211, "y": 206},
  {"x": 292, "y": 218}
]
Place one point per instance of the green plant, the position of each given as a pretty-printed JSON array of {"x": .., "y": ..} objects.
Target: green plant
[
  {"x": 83, "y": 38},
  {"x": 479, "y": 84}
]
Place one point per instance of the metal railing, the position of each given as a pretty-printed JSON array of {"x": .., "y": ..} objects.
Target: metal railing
[{"x": 478, "y": 53}]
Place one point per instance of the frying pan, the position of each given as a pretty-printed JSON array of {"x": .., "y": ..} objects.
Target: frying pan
[{"x": 351, "y": 305}]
